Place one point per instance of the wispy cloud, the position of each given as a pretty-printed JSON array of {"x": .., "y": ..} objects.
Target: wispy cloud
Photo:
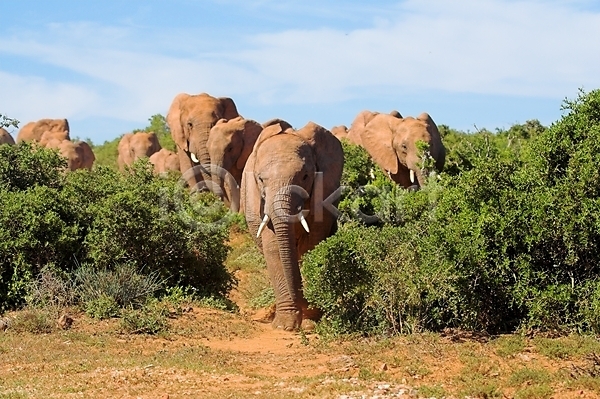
[{"x": 515, "y": 48}]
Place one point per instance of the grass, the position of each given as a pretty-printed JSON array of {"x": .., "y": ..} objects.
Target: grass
[
  {"x": 182, "y": 346},
  {"x": 97, "y": 358}
]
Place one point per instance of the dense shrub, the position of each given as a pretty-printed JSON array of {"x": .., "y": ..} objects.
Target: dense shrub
[
  {"x": 103, "y": 219},
  {"x": 510, "y": 239}
]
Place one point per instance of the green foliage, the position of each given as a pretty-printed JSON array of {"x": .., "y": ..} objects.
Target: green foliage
[
  {"x": 101, "y": 307},
  {"x": 34, "y": 321},
  {"x": 150, "y": 319},
  {"x": 5, "y": 121},
  {"x": 124, "y": 285},
  {"x": 107, "y": 153},
  {"x": 27, "y": 165},
  {"x": 508, "y": 238},
  {"x": 104, "y": 218},
  {"x": 158, "y": 125}
]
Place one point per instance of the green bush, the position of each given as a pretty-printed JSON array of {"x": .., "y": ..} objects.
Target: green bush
[
  {"x": 509, "y": 238},
  {"x": 103, "y": 218}
]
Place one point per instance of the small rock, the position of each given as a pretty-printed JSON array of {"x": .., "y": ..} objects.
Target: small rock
[
  {"x": 383, "y": 367},
  {"x": 65, "y": 322}
]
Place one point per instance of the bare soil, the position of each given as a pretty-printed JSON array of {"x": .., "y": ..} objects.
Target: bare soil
[
  {"x": 210, "y": 353},
  {"x": 215, "y": 354}
]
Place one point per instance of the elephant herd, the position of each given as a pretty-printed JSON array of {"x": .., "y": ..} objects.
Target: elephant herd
[
  {"x": 54, "y": 134},
  {"x": 283, "y": 179}
]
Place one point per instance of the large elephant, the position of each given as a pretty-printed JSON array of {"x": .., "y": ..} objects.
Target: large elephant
[
  {"x": 360, "y": 122},
  {"x": 190, "y": 119},
  {"x": 5, "y": 137},
  {"x": 164, "y": 161},
  {"x": 286, "y": 180},
  {"x": 136, "y": 145},
  {"x": 33, "y": 131},
  {"x": 230, "y": 143},
  {"x": 79, "y": 154},
  {"x": 392, "y": 143}
]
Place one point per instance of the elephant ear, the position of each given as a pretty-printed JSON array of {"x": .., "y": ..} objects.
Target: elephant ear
[
  {"x": 267, "y": 132},
  {"x": 174, "y": 121},
  {"x": 358, "y": 126},
  {"x": 252, "y": 130},
  {"x": 228, "y": 110},
  {"x": 439, "y": 151},
  {"x": 155, "y": 143},
  {"x": 276, "y": 121},
  {"x": 377, "y": 139},
  {"x": 328, "y": 152}
]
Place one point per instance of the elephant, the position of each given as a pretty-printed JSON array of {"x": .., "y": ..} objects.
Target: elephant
[
  {"x": 136, "y": 145},
  {"x": 340, "y": 131},
  {"x": 230, "y": 143},
  {"x": 190, "y": 119},
  {"x": 360, "y": 122},
  {"x": 49, "y": 135},
  {"x": 392, "y": 143},
  {"x": 79, "y": 154},
  {"x": 5, "y": 137},
  {"x": 164, "y": 161},
  {"x": 286, "y": 179},
  {"x": 33, "y": 131}
]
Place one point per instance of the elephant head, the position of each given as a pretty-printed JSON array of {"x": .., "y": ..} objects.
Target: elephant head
[
  {"x": 164, "y": 161},
  {"x": 230, "y": 143},
  {"x": 5, "y": 137},
  {"x": 79, "y": 154},
  {"x": 33, "y": 131},
  {"x": 340, "y": 131},
  {"x": 136, "y": 145},
  {"x": 287, "y": 177},
  {"x": 190, "y": 118},
  {"x": 392, "y": 142},
  {"x": 50, "y": 135}
]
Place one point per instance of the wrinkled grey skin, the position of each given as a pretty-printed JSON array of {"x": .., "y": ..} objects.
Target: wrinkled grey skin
[{"x": 289, "y": 171}]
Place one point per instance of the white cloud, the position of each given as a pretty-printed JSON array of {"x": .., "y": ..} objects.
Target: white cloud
[
  {"x": 28, "y": 98},
  {"x": 518, "y": 48},
  {"x": 484, "y": 46}
]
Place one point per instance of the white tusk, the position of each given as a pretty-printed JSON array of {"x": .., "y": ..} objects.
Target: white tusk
[
  {"x": 389, "y": 174},
  {"x": 303, "y": 222},
  {"x": 194, "y": 158},
  {"x": 412, "y": 176},
  {"x": 262, "y": 225}
]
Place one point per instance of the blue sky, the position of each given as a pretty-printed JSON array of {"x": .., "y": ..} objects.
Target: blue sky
[{"x": 107, "y": 66}]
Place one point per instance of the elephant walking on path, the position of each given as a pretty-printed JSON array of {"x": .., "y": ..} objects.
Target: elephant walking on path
[{"x": 287, "y": 181}]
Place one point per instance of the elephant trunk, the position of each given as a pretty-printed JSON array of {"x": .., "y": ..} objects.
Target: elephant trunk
[
  {"x": 216, "y": 168},
  {"x": 285, "y": 232},
  {"x": 199, "y": 151}
]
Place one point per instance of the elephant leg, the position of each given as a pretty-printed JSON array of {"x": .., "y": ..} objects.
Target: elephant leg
[{"x": 288, "y": 314}]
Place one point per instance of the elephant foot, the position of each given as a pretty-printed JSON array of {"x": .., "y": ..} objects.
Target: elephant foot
[{"x": 287, "y": 320}]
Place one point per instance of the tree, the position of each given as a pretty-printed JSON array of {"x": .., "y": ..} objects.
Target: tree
[{"x": 5, "y": 121}]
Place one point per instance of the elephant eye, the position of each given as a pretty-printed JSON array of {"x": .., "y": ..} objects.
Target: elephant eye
[
  {"x": 305, "y": 177},
  {"x": 229, "y": 149},
  {"x": 190, "y": 125}
]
